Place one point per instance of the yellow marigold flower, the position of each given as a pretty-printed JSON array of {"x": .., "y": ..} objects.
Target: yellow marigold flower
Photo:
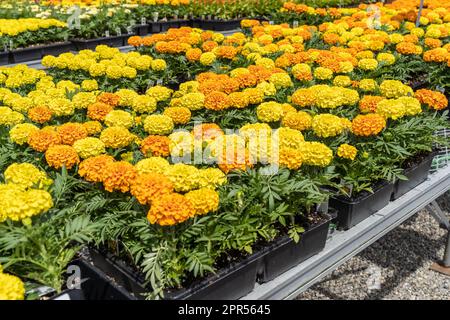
[
  {"x": 347, "y": 151},
  {"x": 269, "y": 111},
  {"x": 20, "y": 132},
  {"x": 316, "y": 154},
  {"x": 159, "y": 93},
  {"x": 26, "y": 175},
  {"x": 19, "y": 204},
  {"x": 11, "y": 287},
  {"x": 391, "y": 108},
  {"x": 92, "y": 127},
  {"x": 152, "y": 165},
  {"x": 43, "y": 139},
  {"x": 287, "y": 108},
  {"x": 290, "y": 158},
  {"x": 327, "y": 125},
  {"x": 203, "y": 200},
  {"x": 170, "y": 209},
  {"x": 368, "y": 125},
  {"x": 281, "y": 80},
  {"x": 92, "y": 169},
  {"x": 89, "y": 85},
  {"x": 61, "y": 107},
  {"x": 394, "y": 89},
  {"x": 116, "y": 137},
  {"x": 254, "y": 95},
  {"x": 150, "y": 186},
  {"x": 89, "y": 147},
  {"x": 58, "y": 156},
  {"x": 368, "y": 64},
  {"x": 297, "y": 120},
  {"x": 144, "y": 104},
  {"x": 342, "y": 81},
  {"x": 70, "y": 132},
  {"x": 289, "y": 138},
  {"x": 119, "y": 118},
  {"x": 9, "y": 117},
  {"x": 158, "y": 65},
  {"x": 82, "y": 100},
  {"x": 268, "y": 88},
  {"x": 368, "y": 85},
  {"x": 207, "y": 58},
  {"x": 345, "y": 67},
  {"x": 179, "y": 115},
  {"x": 126, "y": 97},
  {"x": 211, "y": 178},
  {"x": 322, "y": 73},
  {"x": 119, "y": 176},
  {"x": 181, "y": 143},
  {"x": 387, "y": 58},
  {"x": 158, "y": 124},
  {"x": 184, "y": 177},
  {"x": 238, "y": 100}
]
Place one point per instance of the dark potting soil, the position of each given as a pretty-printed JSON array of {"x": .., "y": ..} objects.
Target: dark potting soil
[{"x": 415, "y": 160}]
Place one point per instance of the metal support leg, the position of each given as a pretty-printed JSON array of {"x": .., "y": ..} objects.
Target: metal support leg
[{"x": 444, "y": 266}]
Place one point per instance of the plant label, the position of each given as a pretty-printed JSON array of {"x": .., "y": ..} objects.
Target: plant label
[{"x": 143, "y": 20}]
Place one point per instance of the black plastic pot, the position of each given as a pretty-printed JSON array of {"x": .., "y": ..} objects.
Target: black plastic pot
[
  {"x": 57, "y": 48},
  {"x": 114, "y": 41},
  {"x": 227, "y": 284},
  {"x": 184, "y": 23},
  {"x": 352, "y": 211},
  {"x": 416, "y": 175},
  {"x": 26, "y": 54},
  {"x": 166, "y": 25},
  {"x": 285, "y": 254},
  {"x": 154, "y": 27},
  {"x": 223, "y": 25},
  {"x": 4, "y": 58},
  {"x": 94, "y": 286},
  {"x": 141, "y": 29}
]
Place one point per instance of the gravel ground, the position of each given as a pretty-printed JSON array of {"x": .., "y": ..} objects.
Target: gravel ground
[{"x": 394, "y": 267}]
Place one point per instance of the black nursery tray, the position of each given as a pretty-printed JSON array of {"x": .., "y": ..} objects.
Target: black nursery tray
[
  {"x": 4, "y": 57},
  {"x": 352, "y": 211},
  {"x": 227, "y": 284},
  {"x": 416, "y": 174},
  {"x": 95, "y": 285},
  {"x": 219, "y": 25},
  {"x": 114, "y": 41}
]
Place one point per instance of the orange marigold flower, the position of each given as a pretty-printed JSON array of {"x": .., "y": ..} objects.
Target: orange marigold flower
[
  {"x": 226, "y": 52},
  {"x": 406, "y": 48},
  {"x": 155, "y": 146},
  {"x": 239, "y": 161},
  {"x": 368, "y": 104},
  {"x": 247, "y": 80},
  {"x": 303, "y": 98},
  {"x": 149, "y": 186},
  {"x": 92, "y": 169},
  {"x": 209, "y": 46},
  {"x": 193, "y": 54},
  {"x": 368, "y": 125},
  {"x": 179, "y": 115},
  {"x": 207, "y": 131},
  {"x": 119, "y": 176},
  {"x": 135, "y": 41},
  {"x": 170, "y": 209},
  {"x": 433, "y": 43},
  {"x": 98, "y": 111},
  {"x": 42, "y": 139},
  {"x": 61, "y": 155},
  {"x": 230, "y": 85},
  {"x": 71, "y": 132},
  {"x": 433, "y": 99},
  {"x": 217, "y": 101},
  {"x": 40, "y": 114},
  {"x": 109, "y": 98}
]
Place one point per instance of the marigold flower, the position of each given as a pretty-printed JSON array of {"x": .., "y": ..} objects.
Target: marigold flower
[
  {"x": 119, "y": 176},
  {"x": 98, "y": 111},
  {"x": 269, "y": 111},
  {"x": 58, "y": 156},
  {"x": 207, "y": 58},
  {"x": 89, "y": 147},
  {"x": 116, "y": 137},
  {"x": 394, "y": 89},
  {"x": 40, "y": 114},
  {"x": 303, "y": 98},
  {"x": 92, "y": 127},
  {"x": 254, "y": 95},
  {"x": 43, "y": 139},
  {"x": 184, "y": 177},
  {"x": 203, "y": 200},
  {"x": 391, "y": 108},
  {"x": 144, "y": 104},
  {"x": 369, "y": 103},
  {"x": 152, "y": 165},
  {"x": 327, "y": 125},
  {"x": 11, "y": 287},
  {"x": 179, "y": 115},
  {"x": 315, "y": 154},
  {"x": 92, "y": 169},
  {"x": 297, "y": 120},
  {"x": 193, "y": 54},
  {"x": 70, "y": 132},
  {"x": 217, "y": 100},
  {"x": 170, "y": 209},
  {"x": 211, "y": 178},
  {"x": 347, "y": 151},
  {"x": 20, "y": 132},
  {"x": 368, "y": 125},
  {"x": 433, "y": 99},
  {"x": 119, "y": 118},
  {"x": 290, "y": 158},
  {"x": 158, "y": 124},
  {"x": 150, "y": 186},
  {"x": 26, "y": 175},
  {"x": 154, "y": 145}
]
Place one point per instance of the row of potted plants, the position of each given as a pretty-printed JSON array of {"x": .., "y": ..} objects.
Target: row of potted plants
[{"x": 198, "y": 165}]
